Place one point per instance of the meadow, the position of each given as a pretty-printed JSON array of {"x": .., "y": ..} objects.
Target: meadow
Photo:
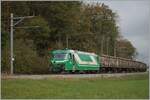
[{"x": 133, "y": 87}]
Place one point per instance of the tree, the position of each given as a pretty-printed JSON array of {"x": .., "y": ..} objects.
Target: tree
[
  {"x": 39, "y": 34},
  {"x": 125, "y": 49},
  {"x": 102, "y": 25}
]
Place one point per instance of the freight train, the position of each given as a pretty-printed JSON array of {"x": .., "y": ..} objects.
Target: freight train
[{"x": 74, "y": 61}]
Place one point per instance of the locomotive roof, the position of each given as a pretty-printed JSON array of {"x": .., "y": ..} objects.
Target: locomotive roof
[{"x": 72, "y": 51}]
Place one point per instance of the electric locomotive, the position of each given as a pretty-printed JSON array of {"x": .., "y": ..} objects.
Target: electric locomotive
[{"x": 67, "y": 60}]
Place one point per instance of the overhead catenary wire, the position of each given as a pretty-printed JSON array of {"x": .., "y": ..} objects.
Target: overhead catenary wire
[{"x": 29, "y": 3}]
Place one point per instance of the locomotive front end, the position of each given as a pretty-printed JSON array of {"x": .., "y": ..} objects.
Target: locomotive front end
[{"x": 58, "y": 61}]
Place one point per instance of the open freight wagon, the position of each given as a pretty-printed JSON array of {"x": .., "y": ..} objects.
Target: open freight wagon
[{"x": 118, "y": 64}]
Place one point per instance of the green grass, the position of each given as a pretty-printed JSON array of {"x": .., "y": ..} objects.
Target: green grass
[{"x": 131, "y": 87}]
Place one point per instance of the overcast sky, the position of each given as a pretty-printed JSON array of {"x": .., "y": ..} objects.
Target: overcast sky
[{"x": 134, "y": 23}]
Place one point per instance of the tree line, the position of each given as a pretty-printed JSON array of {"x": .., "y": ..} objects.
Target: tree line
[{"x": 63, "y": 24}]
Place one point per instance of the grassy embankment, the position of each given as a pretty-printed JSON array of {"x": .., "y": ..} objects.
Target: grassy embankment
[{"x": 133, "y": 87}]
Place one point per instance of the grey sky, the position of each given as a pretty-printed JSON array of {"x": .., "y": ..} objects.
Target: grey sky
[{"x": 134, "y": 16}]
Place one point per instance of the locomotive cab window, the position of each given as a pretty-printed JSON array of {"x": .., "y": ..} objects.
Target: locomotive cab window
[{"x": 60, "y": 56}]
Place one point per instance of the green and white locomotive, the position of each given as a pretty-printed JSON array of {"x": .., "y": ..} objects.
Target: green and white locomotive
[
  {"x": 78, "y": 61},
  {"x": 73, "y": 61}
]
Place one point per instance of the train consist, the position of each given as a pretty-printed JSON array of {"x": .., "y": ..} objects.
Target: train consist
[{"x": 62, "y": 61}]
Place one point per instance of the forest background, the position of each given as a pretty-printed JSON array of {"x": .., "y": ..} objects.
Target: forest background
[{"x": 64, "y": 24}]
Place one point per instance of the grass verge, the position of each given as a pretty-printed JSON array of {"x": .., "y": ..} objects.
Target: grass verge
[{"x": 130, "y": 87}]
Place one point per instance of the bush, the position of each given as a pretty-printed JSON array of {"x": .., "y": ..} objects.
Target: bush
[{"x": 26, "y": 59}]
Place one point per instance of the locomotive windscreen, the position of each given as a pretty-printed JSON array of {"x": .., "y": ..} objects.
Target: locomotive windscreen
[{"x": 60, "y": 56}]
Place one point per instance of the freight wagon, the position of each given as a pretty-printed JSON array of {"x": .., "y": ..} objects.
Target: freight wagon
[
  {"x": 62, "y": 61},
  {"x": 118, "y": 64}
]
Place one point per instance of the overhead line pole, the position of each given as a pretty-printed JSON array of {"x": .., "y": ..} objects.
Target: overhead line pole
[
  {"x": 115, "y": 48},
  {"x": 67, "y": 41},
  {"x": 107, "y": 45},
  {"x": 11, "y": 44},
  {"x": 12, "y": 26}
]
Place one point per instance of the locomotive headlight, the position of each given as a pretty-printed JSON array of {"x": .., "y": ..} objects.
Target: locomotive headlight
[{"x": 52, "y": 62}]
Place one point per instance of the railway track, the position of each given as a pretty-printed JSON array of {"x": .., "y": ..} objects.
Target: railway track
[{"x": 46, "y": 76}]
